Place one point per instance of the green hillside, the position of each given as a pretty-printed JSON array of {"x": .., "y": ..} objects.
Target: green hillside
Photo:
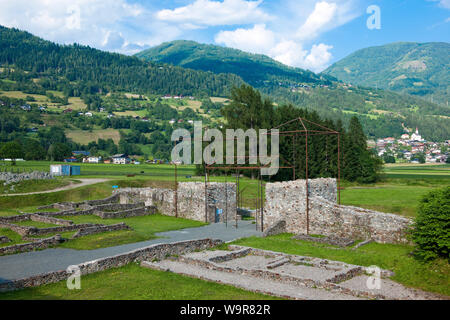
[
  {"x": 258, "y": 70},
  {"x": 75, "y": 67},
  {"x": 421, "y": 69}
]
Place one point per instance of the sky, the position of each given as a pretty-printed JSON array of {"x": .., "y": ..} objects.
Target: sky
[{"x": 308, "y": 34}]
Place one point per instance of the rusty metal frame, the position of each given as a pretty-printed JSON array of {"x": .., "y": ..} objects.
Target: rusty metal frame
[
  {"x": 320, "y": 130},
  {"x": 307, "y": 132}
]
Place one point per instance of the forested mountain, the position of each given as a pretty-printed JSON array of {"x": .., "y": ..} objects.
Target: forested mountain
[
  {"x": 35, "y": 66},
  {"x": 257, "y": 70},
  {"x": 421, "y": 69},
  {"x": 381, "y": 112},
  {"x": 80, "y": 65}
]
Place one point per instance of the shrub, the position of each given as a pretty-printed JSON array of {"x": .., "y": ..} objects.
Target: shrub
[{"x": 431, "y": 231}]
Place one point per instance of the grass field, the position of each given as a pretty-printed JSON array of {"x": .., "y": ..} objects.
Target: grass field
[
  {"x": 33, "y": 185},
  {"x": 86, "y": 136},
  {"x": 75, "y": 103},
  {"x": 414, "y": 171},
  {"x": 133, "y": 282},
  {"x": 400, "y": 196}
]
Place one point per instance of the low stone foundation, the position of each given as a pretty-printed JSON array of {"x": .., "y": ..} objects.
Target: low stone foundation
[
  {"x": 67, "y": 206},
  {"x": 99, "y": 229},
  {"x": 22, "y": 230},
  {"x": 142, "y": 211},
  {"x": 40, "y": 231},
  {"x": 4, "y": 239},
  {"x": 51, "y": 220},
  {"x": 31, "y": 246},
  {"x": 150, "y": 253},
  {"x": 287, "y": 201}
]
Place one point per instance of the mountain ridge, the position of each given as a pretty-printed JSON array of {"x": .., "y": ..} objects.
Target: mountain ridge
[
  {"x": 420, "y": 69},
  {"x": 256, "y": 69}
]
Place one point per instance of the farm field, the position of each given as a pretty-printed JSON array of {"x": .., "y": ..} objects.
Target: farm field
[
  {"x": 85, "y": 136},
  {"x": 414, "y": 171}
]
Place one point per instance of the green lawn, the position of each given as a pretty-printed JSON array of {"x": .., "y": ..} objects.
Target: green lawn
[
  {"x": 137, "y": 283},
  {"x": 33, "y": 185},
  {"x": 401, "y": 189},
  {"x": 388, "y": 197},
  {"x": 433, "y": 276}
]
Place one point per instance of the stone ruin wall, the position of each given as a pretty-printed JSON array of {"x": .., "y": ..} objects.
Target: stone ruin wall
[
  {"x": 287, "y": 201},
  {"x": 190, "y": 199}
]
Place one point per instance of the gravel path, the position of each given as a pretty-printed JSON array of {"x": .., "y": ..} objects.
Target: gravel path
[
  {"x": 27, "y": 264},
  {"x": 72, "y": 185}
]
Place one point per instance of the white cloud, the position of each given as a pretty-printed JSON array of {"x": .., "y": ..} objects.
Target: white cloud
[
  {"x": 97, "y": 23},
  {"x": 255, "y": 40},
  {"x": 215, "y": 13},
  {"x": 290, "y": 46},
  {"x": 322, "y": 15},
  {"x": 319, "y": 57},
  {"x": 443, "y": 3},
  {"x": 287, "y": 31}
]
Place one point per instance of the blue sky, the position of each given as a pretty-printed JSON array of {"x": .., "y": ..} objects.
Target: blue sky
[{"x": 304, "y": 33}]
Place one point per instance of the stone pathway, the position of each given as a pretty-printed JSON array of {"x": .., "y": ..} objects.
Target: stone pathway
[
  {"x": 289, "y": 276},
  {"x": 18, "y": 266}
]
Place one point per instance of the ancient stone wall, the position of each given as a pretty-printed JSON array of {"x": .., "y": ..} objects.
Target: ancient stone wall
[
  {"x": 287, "y": 201},
  {"x": 142, "y": 211},
  {"x": 51, "y": 220},
  {"x": 190, "y": 200},
  {"x": 9, "y": 177},
  {"x": 30, "y": 246},
  {"x": 100, "y": 228},
  {"x": 4, "y": 239}
]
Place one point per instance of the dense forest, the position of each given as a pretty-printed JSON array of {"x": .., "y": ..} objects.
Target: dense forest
[
  {"x": 75, "y": 67},
  {"x": 249, "y": 109},
  {"x": 257, "y": 70}
]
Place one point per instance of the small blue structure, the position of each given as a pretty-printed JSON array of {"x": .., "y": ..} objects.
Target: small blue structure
[
  {"x": 75, "y": 170},
  {"x": 65, "y": 170}
]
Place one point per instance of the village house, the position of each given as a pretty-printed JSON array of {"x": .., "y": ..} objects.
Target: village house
[
  {"x": 92, "y": 159},
  {"x": 120, "y": 159}
]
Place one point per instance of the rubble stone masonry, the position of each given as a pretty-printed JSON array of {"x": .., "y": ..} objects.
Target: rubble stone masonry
[
  {"x": 190, "y": 200},
  {"x": 287, "y": 201}
]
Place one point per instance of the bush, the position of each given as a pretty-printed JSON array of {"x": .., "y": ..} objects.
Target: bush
[{"x": 431, "y": 231}]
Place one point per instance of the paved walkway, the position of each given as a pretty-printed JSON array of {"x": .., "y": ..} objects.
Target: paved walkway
[
  {"x": 17, "y": 266},
  {"x": 72, "y": 185}
]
